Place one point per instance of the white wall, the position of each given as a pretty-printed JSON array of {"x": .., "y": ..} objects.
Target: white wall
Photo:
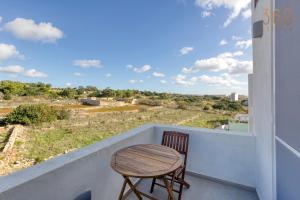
[
  {"x": 218, "y": 154},
  {"x": 67, "y": 176},
  {"x": 287, "y": 91},
  {"x": 263, "y": 101},
  {"x": 250, "y": 104}
]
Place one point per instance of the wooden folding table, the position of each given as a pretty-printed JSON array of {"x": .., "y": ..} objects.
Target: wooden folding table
[{"x": 146, "y": 161}]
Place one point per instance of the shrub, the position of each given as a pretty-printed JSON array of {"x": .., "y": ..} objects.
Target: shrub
[
  {"x": 142, "y": 109},
  {"x": 206, "y": 107},
  {"x": 149, "y": 102},
  {"x": 35, "y": 114},
  {"x": 7, "y": 97},
  {"x": 227, "y": 105},
  {"x": 182, "y": 105},
  {"x": 63, "y": 114}
]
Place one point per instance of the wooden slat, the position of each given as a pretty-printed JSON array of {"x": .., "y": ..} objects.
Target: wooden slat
[{"x": 147, "y": 160}]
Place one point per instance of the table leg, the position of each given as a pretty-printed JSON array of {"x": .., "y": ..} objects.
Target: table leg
[
  {"x": 136, "y": 192},
  {"x": 122, "y": 190},
  {"x": 169, "y": 189}
]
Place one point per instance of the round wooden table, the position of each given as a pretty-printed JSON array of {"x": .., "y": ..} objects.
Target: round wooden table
[{"x": 146, "y": 161}]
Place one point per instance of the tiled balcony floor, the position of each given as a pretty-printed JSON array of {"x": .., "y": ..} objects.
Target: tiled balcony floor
[{"x": 201, "y": 189}]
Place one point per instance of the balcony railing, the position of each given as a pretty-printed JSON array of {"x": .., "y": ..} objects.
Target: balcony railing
[{"x": 213, "y": 154}]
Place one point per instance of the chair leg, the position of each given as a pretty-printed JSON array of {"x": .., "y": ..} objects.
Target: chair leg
[
  {"x": 187, "y": 185},
  {"x": 152, "y": 185},
  {"x": 180, "y": 191}
]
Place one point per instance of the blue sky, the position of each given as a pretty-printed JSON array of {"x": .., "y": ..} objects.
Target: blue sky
[{"x": 182, "y": 46}]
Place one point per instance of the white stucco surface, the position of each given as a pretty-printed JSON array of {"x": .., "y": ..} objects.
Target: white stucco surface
[{"x": 263, "y": 104}]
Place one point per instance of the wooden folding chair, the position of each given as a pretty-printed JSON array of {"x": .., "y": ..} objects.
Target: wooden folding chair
[{"x": 179, "y": 142}]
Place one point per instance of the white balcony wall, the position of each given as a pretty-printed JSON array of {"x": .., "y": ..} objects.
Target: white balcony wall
[
  {"x": 67, "y": 176},
  {"x": 227, "y": 157},
  {"x": 217, "y": 154}
]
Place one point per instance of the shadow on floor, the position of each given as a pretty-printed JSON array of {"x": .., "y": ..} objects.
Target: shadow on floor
[{"x": 201, "y": 189}]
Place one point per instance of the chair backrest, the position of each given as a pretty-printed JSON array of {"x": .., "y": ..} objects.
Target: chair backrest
[{"x": 178, "y": 141}]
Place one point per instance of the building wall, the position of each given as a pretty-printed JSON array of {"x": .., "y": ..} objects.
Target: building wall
[
  {"x": 263, "y": 101},
  {"x": 287, "y": 76},
  {"x": 250, "y": 104}
]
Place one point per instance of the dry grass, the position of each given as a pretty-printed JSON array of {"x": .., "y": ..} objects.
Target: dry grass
[
  {"x": 72, "y": 106},
  {"x": 4, "y": 111},
  {"x": 114, "y": 109}
]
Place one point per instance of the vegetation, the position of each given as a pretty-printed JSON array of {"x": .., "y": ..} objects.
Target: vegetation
[
  {"x": 182, "y": 105},
  {"x": 114, "y": 109},
  {"x": 57, "y": 123},
  {"x": 149, "y": 102},
  {"x": 209, "y": 120},
  {"x": 9, "y": 89},
  {"x": 225, "y": 104},
  {"x": 50, "y": 139},
  {"x": 35, "y": 114}
]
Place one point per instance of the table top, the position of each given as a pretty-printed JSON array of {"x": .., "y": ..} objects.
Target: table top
[{"x": 146, "y": 161}]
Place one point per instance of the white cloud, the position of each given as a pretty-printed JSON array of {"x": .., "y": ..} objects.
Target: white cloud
[
  {"x": 158, "y": 74},
  {"x": 223, "y": 42},
  {"x": 68, "y": 84},
  {"x": 1, "y": 19},
  {"x": 163, "y": 81},
  {"x": 142, "y": 69},
  {"x": 182, "y": 80},
  {"x": 129, "y": 66},
  {"x": 243, "y": 67},
  {"x": 8, "y": 51},
  {"x": 135, "y": 81},
  {"x": 236, "y": 38},
  {"x": 222, "y": 80},
  {"x": 19, "y": 70},
  {"x": 87, "y": 63},
  {"x": 77, "y": 74},
  {"x": 247, "y": 13},
  {"x": 244, "y": 44},
  {"x": 12, "y": 69},
  {"x": 206, "y": 13},
  {"x": 186, "y": 50},
  {"x": 108, "y": 75},
  {"x": 33, "y": 73},
  {"x": 27, "y": 29},
  {"x": 238, "y": 53},
  {"x": 228, "y": 62},
  {"x": 235, "y": 6}
]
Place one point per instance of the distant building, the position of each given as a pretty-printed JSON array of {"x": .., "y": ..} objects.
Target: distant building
[
  {"x": 91, "y": 101},
  {"x": 234, "y": 96}
]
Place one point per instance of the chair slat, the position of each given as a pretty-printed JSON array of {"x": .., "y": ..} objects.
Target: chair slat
[{"x": 178, "y": 141}]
